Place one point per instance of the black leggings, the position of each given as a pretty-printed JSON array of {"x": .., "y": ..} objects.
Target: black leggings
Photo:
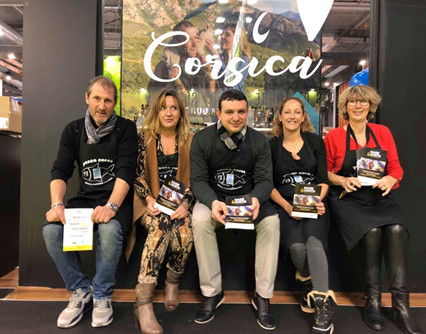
[{"x": 390, "y": 241}]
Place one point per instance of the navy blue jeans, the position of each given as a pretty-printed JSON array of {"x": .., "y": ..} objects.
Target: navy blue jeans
[{"x": 108, "y": 251}]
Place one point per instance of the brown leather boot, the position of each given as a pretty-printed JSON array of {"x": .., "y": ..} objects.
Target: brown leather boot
[
  {"x": 144, "y": 311},
  {"x": 171, "y": 301}
]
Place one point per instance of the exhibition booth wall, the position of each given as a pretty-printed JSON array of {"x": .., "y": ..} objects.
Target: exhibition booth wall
[{"x": 59, "y": 67}]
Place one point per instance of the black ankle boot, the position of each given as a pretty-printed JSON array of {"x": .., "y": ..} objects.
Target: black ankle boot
[
  {"x": 400, "y": 311},
  {"x": 373, "y": 316},
  {"x": 323, "y": 314},
  {"x": 307, "y": 288}
]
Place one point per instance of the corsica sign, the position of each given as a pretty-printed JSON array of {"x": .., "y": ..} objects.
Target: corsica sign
[{"x": 231, "y": 74}]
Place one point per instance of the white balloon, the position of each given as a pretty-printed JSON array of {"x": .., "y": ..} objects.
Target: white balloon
[{"x": 313, "y": 14}]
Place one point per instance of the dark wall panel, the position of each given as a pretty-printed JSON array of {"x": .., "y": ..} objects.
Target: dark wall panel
[
  {"x": 401, "y": 82},
  {"x": 10, "y": 170},
  {"x": 60, "y": 58}
]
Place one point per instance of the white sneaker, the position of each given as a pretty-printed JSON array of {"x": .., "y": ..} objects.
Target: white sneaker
[
  {"x": 79, "y": 303},
  {"x": 102, "y": 312}
]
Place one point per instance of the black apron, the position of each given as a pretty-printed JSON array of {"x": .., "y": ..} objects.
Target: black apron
[
  {"x": 97, "y": 177},
  {"x": 231, "y": 173},
  {"x": 288, "y": 172},
  {"x": 358, "y": 212}
]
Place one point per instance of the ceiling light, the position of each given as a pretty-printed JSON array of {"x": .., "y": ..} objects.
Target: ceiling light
[
  {"x": 336, "y": 71},
  {"x": 8, "y": 77},
  {"x": 326, "y": 84},
  {"x": 11, "y": 56},
  {"x": 220, "y": 19},
  {"x": 362, "y": 62}
]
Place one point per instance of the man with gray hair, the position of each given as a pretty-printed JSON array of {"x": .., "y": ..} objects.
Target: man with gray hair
[{"x": 104, "y": 146}]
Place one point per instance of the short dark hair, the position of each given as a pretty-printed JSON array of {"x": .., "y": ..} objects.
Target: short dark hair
[
  {"x": 179, "y": 27},
  {"x": 231, "y": 95},
  {"x": 182, "y": 24},
  {"x": 105, "y": 82}
]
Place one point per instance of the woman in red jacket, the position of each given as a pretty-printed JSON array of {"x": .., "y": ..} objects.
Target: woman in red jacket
[{"x": 368, "y": 214}]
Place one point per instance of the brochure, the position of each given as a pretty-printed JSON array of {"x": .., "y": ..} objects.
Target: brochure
[
  {"x": 304, "y": 200},
  {"x": 170, "y": 196},
  {"x": 370, "y": 165},
  {"x": 240, "y": 215},
  {"x": 78, "y": 230}
]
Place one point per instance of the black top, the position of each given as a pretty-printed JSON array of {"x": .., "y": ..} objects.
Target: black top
[
  {"x": 312, "y": 143},
  {"x": 99, "y": 165},
  {"x": 125, "y": 159},
  {"x": 217, "y": 172}
]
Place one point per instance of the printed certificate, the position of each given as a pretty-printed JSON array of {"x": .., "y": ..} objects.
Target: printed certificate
[{"x": 78, "y": 230}]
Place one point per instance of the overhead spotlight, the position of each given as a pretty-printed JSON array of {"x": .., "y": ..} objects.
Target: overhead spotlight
[
  {"x": 11, "y": 56},
  {"x": 220, "y": 19},
  {"x": 218, "y": 32},
  {"x": 249, "y": 19},
  {"x": 8, "y": 77}
]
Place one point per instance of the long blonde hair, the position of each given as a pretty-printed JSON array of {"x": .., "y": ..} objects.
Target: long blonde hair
[
  {"x": 151, "y": 123},
  {"x": 244, "y": 45},
  {"x": 306, "y": 126}
]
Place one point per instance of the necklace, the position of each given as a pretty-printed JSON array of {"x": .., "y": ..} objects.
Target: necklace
[{"x": 293, "y": 146}]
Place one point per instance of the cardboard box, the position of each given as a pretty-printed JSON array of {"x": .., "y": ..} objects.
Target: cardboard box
[{"x": 11, "y": 114}]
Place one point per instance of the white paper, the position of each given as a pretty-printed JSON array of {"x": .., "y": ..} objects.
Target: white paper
[
  {"x": 163, "y": 209},
  {"x": 240, "y": 226},
  {"x": 78, "y": 230}
]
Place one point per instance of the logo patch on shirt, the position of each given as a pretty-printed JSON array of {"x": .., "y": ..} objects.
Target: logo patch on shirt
[
  {"x": 98, "y": 173},
  {"x": 298, "y": 177},
  {"x": 230, "y": 179}
]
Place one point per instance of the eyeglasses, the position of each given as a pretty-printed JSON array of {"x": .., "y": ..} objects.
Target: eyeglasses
[{"x": 353, "y": 102}]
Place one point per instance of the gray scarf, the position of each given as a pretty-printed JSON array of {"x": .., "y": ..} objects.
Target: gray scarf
[
  {"x": 233, "y": 141},
  {"x": 94, "y": 135}
]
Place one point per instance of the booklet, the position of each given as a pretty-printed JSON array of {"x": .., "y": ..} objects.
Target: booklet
[
  {"x": 240, "y": 215},
  {"x": 304, "y": 200},
  {"x": 170, "y": 196},
  {"x": 78, "y": 230},
  {"x": 370, "y": 165}
]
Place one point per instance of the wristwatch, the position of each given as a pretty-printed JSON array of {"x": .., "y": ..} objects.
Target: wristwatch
[{"x": 113, "y": 206}]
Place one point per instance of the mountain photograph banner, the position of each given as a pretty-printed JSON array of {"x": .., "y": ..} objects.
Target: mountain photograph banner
[{"x": 201, "y": 48}]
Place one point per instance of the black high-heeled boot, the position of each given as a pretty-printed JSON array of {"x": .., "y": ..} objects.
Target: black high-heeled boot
[
  {"x": 396, "y": 254},
  {"x": 371, "y": 253},
  {"x": 401, "y": 314}
]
